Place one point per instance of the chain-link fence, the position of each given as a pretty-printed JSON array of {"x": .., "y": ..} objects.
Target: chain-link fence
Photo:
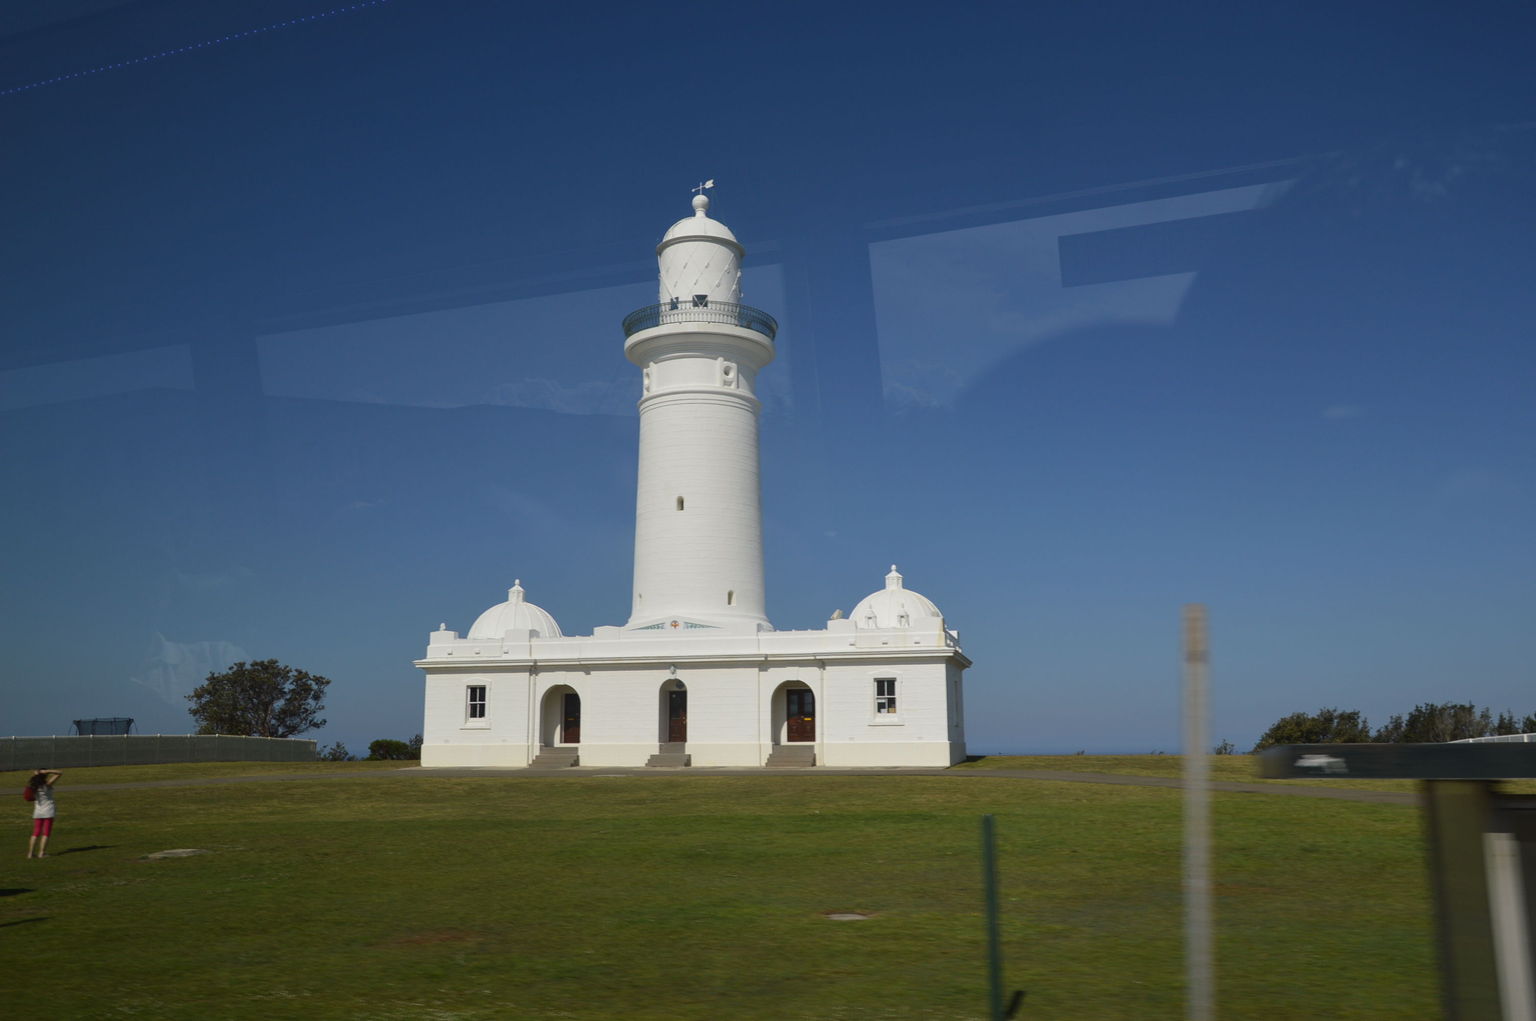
[{"x": 142, "y": 749}]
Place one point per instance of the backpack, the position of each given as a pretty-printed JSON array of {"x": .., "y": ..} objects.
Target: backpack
[{"x": 28, "y": 794}]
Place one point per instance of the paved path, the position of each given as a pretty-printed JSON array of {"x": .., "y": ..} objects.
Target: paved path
[{"x": 1052, "y": 776}]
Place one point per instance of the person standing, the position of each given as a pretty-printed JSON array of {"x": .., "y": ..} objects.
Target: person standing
[{"x": 43, "y": 809}]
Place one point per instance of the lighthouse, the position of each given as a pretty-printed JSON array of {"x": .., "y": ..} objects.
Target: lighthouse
[
  {"x": 698, "y": 503},
  {"x": 698, "y": 676}
]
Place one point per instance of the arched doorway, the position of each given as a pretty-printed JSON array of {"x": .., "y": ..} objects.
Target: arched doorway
[
  {"x": 674, "y": 712},
  {"x": 560, "y": 716},
  {"x": 795, "y": 706}
]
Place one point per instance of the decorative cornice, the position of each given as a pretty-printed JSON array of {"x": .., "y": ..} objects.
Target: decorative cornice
[{"x": 510, "y": 663}]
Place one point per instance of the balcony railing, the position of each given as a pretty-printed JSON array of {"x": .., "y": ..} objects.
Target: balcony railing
[{"x": 700, "y": 309}]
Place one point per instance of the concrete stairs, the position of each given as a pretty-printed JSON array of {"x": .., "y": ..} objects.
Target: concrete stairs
[
  {"x": 555, "y": 758},
  {"x": 792, "y": 755},
  {"x": 670, "y": 755}
]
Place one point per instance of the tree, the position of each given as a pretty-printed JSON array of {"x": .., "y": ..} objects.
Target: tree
[
  {"x": 259, "y": 699},
  {"x": 1449, "y": 721},
  {"x": 416, "y": 747},
  {"x": 336, "y": 753},
  {"x": 1326, "y": 726},
  {"x": 1507, "y": 724},
  {"x": 1429, "y": 722}
]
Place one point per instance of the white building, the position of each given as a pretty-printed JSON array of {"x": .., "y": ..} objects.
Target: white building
[{"x": 698, "y": 675}]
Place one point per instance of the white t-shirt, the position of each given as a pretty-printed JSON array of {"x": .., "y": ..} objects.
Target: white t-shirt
[{"x": 43, "y": 807}]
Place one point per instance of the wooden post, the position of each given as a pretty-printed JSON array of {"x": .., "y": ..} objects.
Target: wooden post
[{"x": 994, "y": 941}]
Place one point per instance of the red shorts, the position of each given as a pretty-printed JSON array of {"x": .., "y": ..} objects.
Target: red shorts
[{"x": 42, "y": 827}]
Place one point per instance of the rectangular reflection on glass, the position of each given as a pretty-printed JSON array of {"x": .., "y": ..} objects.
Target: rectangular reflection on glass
[
  {"x": 992, "y": 290},
  {"x": 168, "y": 367},
  {"x": 555, "y": 352}
]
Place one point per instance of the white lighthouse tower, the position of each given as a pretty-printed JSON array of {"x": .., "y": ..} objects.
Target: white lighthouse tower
[
  {"x": 698, "y": 505},
  {"x": 698, "y": 676}
]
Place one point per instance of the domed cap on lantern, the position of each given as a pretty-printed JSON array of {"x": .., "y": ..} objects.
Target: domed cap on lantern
[
  {"x": 515, "y": 615},
  {"x": 699, "y": 225},
  {"x": 699, "y": 257},
  {"x": 894, "y": 606}
]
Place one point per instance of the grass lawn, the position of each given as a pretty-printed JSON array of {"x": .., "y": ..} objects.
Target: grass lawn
[
  {"x": 1239, "y": 768},
  {"x": 412, "y": 896},
  {"x": 1223, "y": 767}
]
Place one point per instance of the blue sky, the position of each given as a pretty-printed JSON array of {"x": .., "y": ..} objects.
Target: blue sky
[{"x": 1089, "y": 311}]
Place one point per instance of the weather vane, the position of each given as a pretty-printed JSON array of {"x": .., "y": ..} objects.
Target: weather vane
[{"x": 699, "y": 190}]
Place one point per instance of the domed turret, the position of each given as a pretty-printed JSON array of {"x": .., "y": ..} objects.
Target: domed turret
[
  {"x": 699, "y": 258},
  {"x": 515, "y": 615},
  {"x": 894, "y": 606}
]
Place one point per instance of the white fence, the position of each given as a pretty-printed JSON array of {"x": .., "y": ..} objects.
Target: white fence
[{"x": 1501, "y": 739}]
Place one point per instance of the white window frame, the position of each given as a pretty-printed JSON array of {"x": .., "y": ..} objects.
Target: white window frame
[
  {"x": 885, "y": 707},
  {"x": 471, "y": 703}
]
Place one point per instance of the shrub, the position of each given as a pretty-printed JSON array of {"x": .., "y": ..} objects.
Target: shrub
[{"x": 386, "y": 748}]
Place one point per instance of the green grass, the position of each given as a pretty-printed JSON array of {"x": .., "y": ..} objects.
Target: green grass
[
  {"x": 1238, "y": 768},
  {"x": 407, "y": 896}
]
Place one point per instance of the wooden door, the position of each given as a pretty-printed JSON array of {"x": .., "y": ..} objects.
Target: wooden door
[
  {"x": 800, "y": 708},
  {"x": 677, "y": 716},
  {"x": 570, "y": 725}
]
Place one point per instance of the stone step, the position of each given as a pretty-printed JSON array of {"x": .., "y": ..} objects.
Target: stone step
[
  {"x": 786, "y": 755},
  {"x": 671, "y": 753},
  {"x": 555, "y": 758}
]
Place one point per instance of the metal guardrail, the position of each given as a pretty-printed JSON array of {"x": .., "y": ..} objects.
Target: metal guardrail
[
  {"x": 700, "y": 310},
  {"x": 1368, "y": 760}
]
